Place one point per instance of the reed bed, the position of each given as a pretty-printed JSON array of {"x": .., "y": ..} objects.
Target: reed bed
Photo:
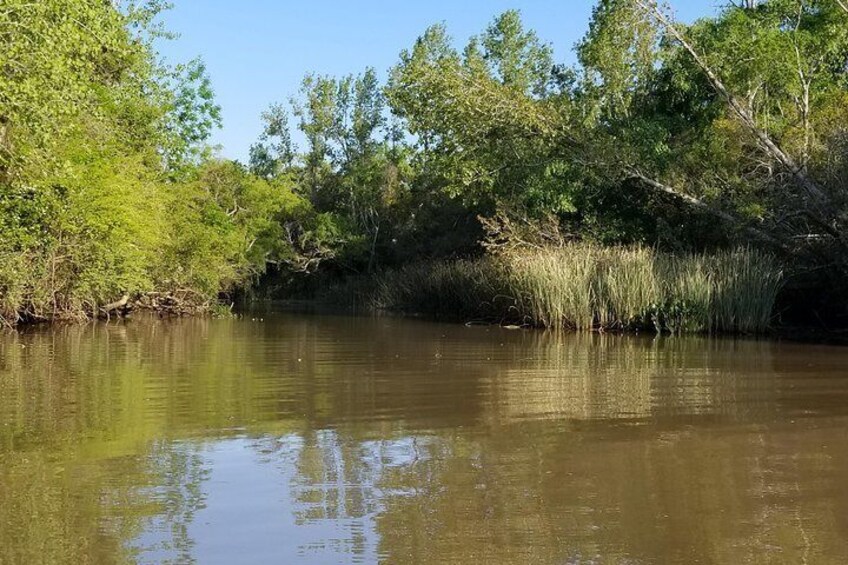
[
  {"x": 589, "y": 287},
  {"x": 456, "y": 288}
]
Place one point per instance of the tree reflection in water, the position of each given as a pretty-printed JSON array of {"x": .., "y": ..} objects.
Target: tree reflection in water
[{"x": 346, "y": 439}]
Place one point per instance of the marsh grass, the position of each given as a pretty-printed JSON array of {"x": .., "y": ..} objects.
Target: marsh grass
[
  {"x": 585, "y": 286},
  {"x": 456, "y": 289}
]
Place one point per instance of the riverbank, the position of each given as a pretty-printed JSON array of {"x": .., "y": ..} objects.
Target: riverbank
[
  {"x": 585, "y": 287},
  {"x": 165, "y": 304},
  {"x": 575, "y": 287}
]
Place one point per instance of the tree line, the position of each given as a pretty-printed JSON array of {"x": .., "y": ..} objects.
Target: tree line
[
  {"x": 686, "y": 138},
  {"x": 728, "y": 131}
]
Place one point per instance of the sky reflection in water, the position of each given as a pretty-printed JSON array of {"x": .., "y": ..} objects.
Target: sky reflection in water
[{"x": 335, "y": 440}]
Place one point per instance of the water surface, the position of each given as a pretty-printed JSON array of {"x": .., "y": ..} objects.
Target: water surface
[{"x": 315, "y": 439}]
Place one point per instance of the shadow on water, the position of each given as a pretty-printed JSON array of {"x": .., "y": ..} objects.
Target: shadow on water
[{"x": 338, "y": 439}]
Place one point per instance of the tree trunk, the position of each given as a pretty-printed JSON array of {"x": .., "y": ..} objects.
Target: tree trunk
[{"x": 820, "y": 210}]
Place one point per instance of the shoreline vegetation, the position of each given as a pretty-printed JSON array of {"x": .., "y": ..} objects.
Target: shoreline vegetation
[
  {"x": 588, "y": 287},
  {"x": 677, "y": 177}
]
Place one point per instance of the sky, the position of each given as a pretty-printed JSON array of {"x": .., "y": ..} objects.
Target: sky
[{"x": 257, "y": 51}]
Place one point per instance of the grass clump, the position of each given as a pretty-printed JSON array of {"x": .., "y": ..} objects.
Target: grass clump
[
  {"x": 584, "y": 286},
  {"x": 459, "y": 289}
]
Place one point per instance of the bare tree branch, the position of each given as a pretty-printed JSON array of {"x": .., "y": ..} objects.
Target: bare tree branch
[{"x": 701, "y": 205}]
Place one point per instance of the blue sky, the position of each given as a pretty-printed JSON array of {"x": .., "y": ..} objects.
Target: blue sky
[{"x": 257, "y": 51}]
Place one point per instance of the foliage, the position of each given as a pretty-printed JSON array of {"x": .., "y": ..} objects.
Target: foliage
[
  {"x": 226, "y": 225},
  {"x": 354, "y": 171},
  {"x": 482, "y": 120},
  {"x": 688, "y": 140},
  {"x": 102, "y": 189},
  {"x": 732, "y": 115}
]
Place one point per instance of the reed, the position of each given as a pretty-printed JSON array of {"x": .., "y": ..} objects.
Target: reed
[
  {"x": 457, "y": 288},
  {"x": 586, "y": 286},
  {"x": 744, "y": 290}
]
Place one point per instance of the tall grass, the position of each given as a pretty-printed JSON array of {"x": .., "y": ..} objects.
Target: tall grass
[
  {"x": 585, "y": 286},
  {"x": 457, "y": 288}
]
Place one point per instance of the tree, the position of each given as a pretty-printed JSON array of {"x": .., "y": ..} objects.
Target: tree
[
  {"x": 96, "y": 139},
  {"x": 483, "y": 120},
  {"x": 726, "y": 114},
  {"x": 274, "y": 153}
]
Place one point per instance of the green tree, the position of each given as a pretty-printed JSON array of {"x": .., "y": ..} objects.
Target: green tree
[
  {"x": 485, "y": 120},
  {"x": 96, "y": 139}
]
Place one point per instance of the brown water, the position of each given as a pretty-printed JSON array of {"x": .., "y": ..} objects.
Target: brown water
[{"x": 308, "y": 439}]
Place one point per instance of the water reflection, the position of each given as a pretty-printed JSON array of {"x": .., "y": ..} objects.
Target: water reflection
[{"x": 324, "y": 439}]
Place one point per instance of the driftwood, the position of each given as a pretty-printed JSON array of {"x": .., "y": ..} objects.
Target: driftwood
[
  {"x": 179, "y": 302},
  {"x": 4, "y": 323},
  {"x": 117, "y": 304},
  {"x": 121, "y": 306}
]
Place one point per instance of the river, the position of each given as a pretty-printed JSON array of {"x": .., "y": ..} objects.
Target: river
[{"x": 302, "y": 438}]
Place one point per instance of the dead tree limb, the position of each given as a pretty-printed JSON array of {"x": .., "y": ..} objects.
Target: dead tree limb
[
  {"x": 117, "y": 305},
  {"x": 701, "y": 205}
]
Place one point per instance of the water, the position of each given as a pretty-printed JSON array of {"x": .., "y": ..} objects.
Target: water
[{"x": 310, "y": 439}]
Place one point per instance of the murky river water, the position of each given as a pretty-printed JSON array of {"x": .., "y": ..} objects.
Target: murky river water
[{"x": 313, "y": 439}]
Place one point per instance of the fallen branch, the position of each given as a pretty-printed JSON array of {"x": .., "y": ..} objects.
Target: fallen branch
[
  {"x": 178, "y": 302},
  {"x": 701, "y": 205},
  {"x": 124, "y": 300},
  {"x": 120, "y": 304},
  {"x": 6, "y": 323}
]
